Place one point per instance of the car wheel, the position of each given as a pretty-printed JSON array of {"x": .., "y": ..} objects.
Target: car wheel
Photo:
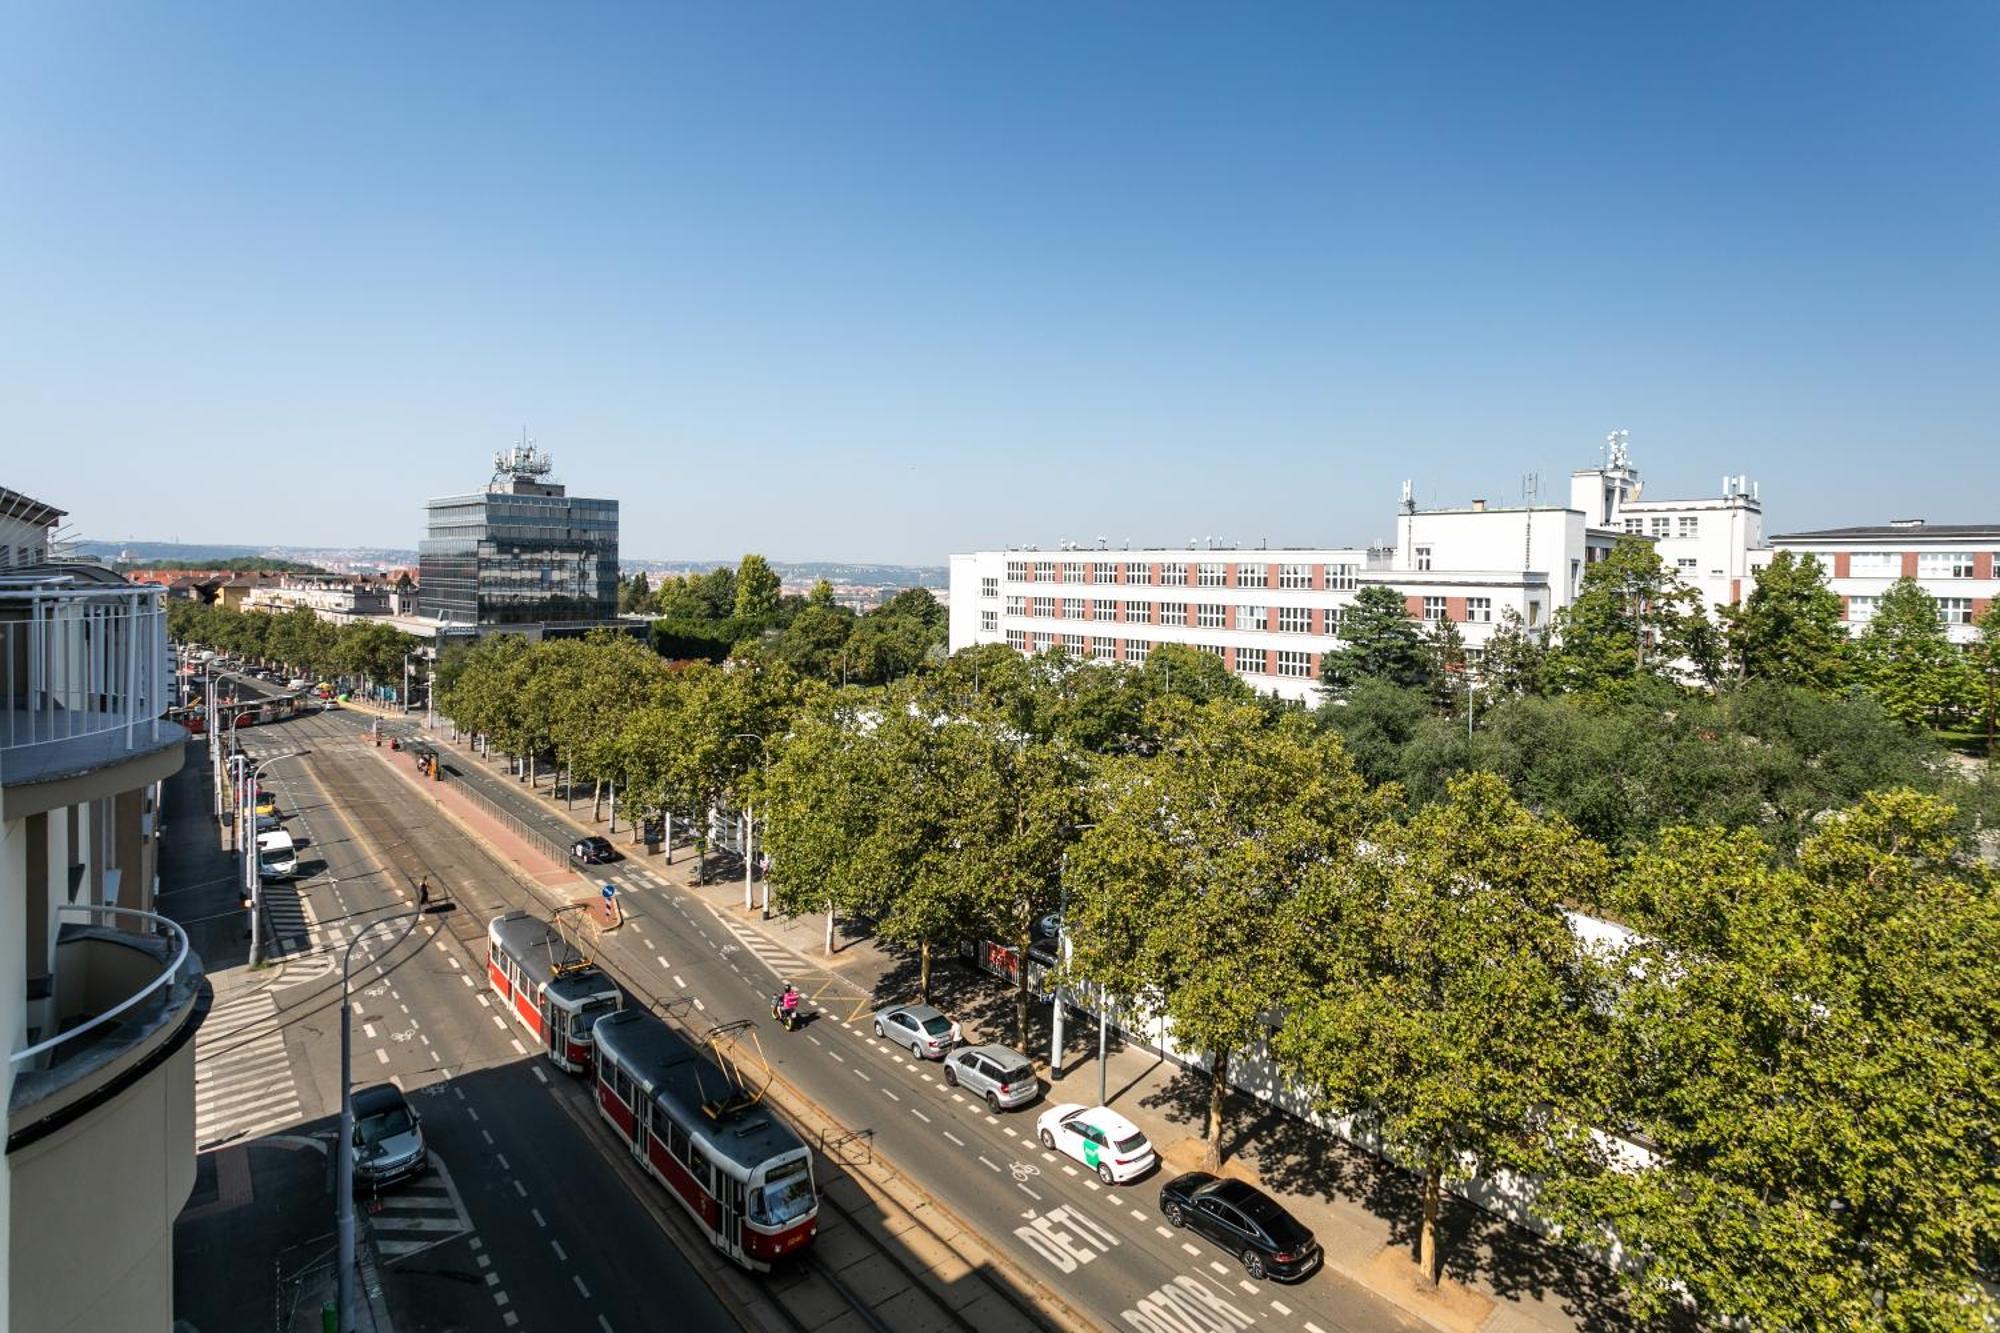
[
  {"x": 1048, "y": 1141},
  {"x": 992, "y": 1101},
  {"x": 1174, "y": 1216},
  {"x": 878, "y": 1029},
  {"x": 1253, "y": 1265},
  {"x": 1104, "y": 1173},
  {"x": 950, "y": 1076},
  {"x": 917, "y": 1049}
]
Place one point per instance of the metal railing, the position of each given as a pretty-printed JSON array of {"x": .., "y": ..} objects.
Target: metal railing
[
  {"x": 176, "y": 937},
  {"x": 80, "y": 659},
  {"x": 555, "y": 850}
]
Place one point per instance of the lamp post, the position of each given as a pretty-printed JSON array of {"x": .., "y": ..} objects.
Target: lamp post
[
  {"x": 750, "y": 829},
  {"x": 1062, "y": 936},
  {"x": 246, "y": 824},
  {"x": 344, "y": 1163}
]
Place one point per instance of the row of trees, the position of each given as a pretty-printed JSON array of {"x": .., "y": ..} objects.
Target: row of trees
[{"x": 297, "y": 639}]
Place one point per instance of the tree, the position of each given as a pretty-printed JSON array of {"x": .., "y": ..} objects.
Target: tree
[
  {"x": 822, "y": 805},
  {"x": 1812, "y": 1052},
  {"x": 1378, "y": 641},
  {"x": 1377, "y": 719},
  {"x": 1446, "y": 668},
  {"x": 1788, "y": 629},
  {"x": 1178, "y": 893},
  {"x": 1986, "y": 658},
  {"x": 757, "y": 587},
  {"x": 812, "y": 643},
  {"x": 1515, "y": 659},
  {"x": 821, "y": 594},
  {"x": 1632, "y": 618},
  {"x": 1444, "y": 1004},
  {"x": 635, "y": 595},
  {"x": 1907, "y": 662}
]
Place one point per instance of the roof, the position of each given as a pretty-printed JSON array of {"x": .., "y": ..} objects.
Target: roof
[
  {"x": 1901, "y": 532},
  {"x": 29, "y": 510},
  {"x": 548, "y": 959},
  {"x": 680, "y": 1078}
]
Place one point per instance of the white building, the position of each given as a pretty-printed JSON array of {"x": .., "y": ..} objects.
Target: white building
[
  {"x": 332, "y": 597},
  {"x": 1271, "y": 614},
  {"x": 1954, "y": 563}
]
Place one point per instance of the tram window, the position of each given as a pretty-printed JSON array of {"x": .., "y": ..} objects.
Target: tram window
[{"x": 623, "y": 1087}]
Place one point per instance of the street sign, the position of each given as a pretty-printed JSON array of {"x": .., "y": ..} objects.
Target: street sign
[{"x": 610, "y": 892}]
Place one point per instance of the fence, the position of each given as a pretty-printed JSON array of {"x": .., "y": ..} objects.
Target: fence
[{"x": 553, "y": 848}]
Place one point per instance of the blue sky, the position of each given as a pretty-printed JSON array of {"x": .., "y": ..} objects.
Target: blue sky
[{"x": 883, "y": 282}]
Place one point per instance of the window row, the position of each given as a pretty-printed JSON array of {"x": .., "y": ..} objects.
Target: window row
[
  {"x": 1203, "y": 574},
  {"x": 1951, "y": 610}
]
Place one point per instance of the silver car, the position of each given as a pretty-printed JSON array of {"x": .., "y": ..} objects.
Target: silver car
[
  {"x": 928, "y": 1033},
  {"x": 1000, "y": 1075}
]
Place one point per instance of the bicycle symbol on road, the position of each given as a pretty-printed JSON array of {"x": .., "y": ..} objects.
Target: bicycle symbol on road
[{"x": 1024, "y": 1170}]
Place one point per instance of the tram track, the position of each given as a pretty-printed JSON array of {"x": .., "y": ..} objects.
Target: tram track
[{"x": 351, "y": 779}]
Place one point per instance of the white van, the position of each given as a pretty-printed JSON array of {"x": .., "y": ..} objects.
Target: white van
[{"x": 277, "y": 858}]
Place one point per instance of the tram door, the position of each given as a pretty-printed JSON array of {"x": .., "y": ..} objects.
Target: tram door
[{"x": 732, "y": 1211}]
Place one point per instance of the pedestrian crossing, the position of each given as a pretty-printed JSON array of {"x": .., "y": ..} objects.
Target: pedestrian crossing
[
  {"x": 243, "y": 1084},
  {"x": 418, "y": 1214}
]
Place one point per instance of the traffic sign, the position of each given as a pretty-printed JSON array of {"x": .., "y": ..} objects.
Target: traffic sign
[{"x": 610, "y": 892}]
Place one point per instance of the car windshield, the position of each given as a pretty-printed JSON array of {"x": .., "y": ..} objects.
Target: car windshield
[
  {"x": 276, "y": 855},
  {"x": 937, "y": 1025},
  {"x": 378, "y": 1129},
  {"x": 1132, "y": 1143},
  {"x": 586, "y": 1017},
  {"x": 787, "y": 1195}
]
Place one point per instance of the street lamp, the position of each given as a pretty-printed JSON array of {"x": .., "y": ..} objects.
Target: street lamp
[
  {"x": 344, "y": 1167},
  {"x": 246, "y": 835},
  {"x": 1055, "y": 992},
  {"x": 750, "y": 829}
]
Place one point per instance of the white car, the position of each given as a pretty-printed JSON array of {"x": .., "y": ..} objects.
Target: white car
[{"x": 1100, "y": 1138}]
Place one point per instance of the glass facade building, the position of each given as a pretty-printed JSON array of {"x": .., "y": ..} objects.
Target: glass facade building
[{"x": 521, "y": 551}]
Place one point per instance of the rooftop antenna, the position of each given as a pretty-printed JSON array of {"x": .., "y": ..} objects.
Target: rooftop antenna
[
  {"x": 1409, "y": 497},
  {"x": 1616, "y": 451}
]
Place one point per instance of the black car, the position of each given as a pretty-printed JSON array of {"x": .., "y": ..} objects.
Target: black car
[
  {"x": 592, "y": 851},
  {"x": 1243, "y": 1220},
  {"x": 388, "y": 1138}
]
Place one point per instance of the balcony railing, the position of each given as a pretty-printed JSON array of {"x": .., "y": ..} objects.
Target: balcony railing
[
  {"x": 78, "y": 660},
  {"x": 109, "y": 981}
]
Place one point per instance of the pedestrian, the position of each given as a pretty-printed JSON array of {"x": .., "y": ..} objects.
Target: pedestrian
[{"x": 424, "y": 893}]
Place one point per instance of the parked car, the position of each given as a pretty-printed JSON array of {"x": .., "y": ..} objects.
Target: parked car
[
  {"x": 277, "y": 857},
  {"x": 592, "y": 851},
  {"x": 1100, "y": 1138},
  {"x": 1245, "y": 1222},
  {"x": 388, "y": 1138},
  {"x": 1004, "y": 1077},
  {"x": 266, "y": 823},
  {"x": 928, "y": 1033},
  {"x": 267, "y": 804}
]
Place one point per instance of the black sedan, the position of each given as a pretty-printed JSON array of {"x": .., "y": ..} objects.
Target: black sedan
[
  {"x": 1243, "y": 1220},
  {"x": 592, "y": 851}
]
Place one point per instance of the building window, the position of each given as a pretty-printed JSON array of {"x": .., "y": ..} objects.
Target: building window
[
  {"x": 1253, "y": 576},
  {"x": 1174, "y": 575},
  {"x": 1874, "y": 565},
  {"x": 1341, "y": 578},
  {"x": 1210, "y": 616},
  {"x": 1045, "y": 607},
  {"x": 1212, "y": 576},
  {"x": 1072, "y": 573},
  {"x": 1173, "y": 613},
  {"x": 989, "y": 621},
  {"x": 1072, "y": 608},
  {"x": 1104, "y": 650},
  {"x": 1073, "y": 644},
  {"x": 1017, "y": 640},
  {"x": 1335, "y": 617},
  {"x": 1139, "y": 574},
  {"x": 1295, "y": 620},
  {"x": 1433, "y": 608},
  {"x": 1690, "y": 525},
  {"x": 1534, "y": 613},
  {"x": 1104, "y": 610},
  {"x": 1955, "y": 610},
  {"x": 1136, "y": 650},
  {"x": 1294, "y": 664},
  {"x": 1017, "y": 606},
  {"x": 1295, "y": 576},
  {"x": 1661, "y": 525},
  {"x": 1944, "y": 565},
  {"x": 1017, "y": 571},
  {"x": 1252, "y": 617},
  {"x": 1861, "y": 610},
  {"x": 1687, "y": 564},
  {"x": 1423, "y": 557},
  {"x": 1103, "y": 571},
  {"x": 1635, "y": 525},
  {"x": 1212, "y": 650},
  {"x": 1255, "y": 660},
  {"x": 1138, "y": 613},
  {"x": 1479, "y": 610},
  {"x": 989, "y": 587}
]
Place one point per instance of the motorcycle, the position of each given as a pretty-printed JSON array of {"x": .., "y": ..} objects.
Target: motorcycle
[{"x": 791, "y": 1018}]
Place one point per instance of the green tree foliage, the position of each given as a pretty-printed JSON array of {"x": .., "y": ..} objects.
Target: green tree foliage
[
  {"x": 1907, "y": 662},
  {"x": 1177, "y": 894},
  {"x": 756, "y": 591},
  {"x": 1378, "y": 719},
  {"x": 823, "y": 803},
  {"x": 1788, "y": 629},
  {"x": 1516, "y": 659},
  {"x": 1445, "y": 668},
  {"x": 1378, "y": 641},
  {"x": 635, "y": 595},
  {"x": 1812, "y": 1049},
  {"x": 1441, "y": 1000},
  {"x": 1632, "y": 619},
  {"x": 296, "y": 639}
]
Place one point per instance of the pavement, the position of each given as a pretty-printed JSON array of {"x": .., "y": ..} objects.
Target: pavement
[{"x": 1499, "y": 1278}]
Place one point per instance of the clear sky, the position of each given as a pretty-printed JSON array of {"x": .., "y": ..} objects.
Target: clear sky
[{"x": 876, "y": 281}]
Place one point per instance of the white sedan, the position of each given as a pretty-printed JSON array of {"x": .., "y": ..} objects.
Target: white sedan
[{"x": 1100, "y": 1138}]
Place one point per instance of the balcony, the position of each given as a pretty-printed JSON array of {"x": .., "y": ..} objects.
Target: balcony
[{"x": 85, "y": 678}]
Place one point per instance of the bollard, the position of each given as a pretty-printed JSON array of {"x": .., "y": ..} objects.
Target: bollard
[{"x": 329, "y": 1318}]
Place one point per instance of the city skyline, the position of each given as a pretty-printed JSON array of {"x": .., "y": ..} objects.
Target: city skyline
[{"x": 783, "y": 281}]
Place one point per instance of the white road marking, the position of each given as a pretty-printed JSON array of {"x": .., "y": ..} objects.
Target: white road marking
[
  {"x": 662, "y": 959},
  {"x": 1281, "y": 1307},
  {"x": 581, "y": 1289},
  {"x": 994, "y": 1165},
  {"x": 680, "y": 983},
  {"x": 920, "y": 1115},
  {"x": 381, "y": 1055},
  {"x": 540, "y": 1075},
  {"x": 499, "y": 1022},
  {"x": 1164, "y": 1231},
  {"x": 890, "y": 1095},
  {"x": 556, "y": 1245},
  {"x": 1190, "y": 1248},
  {"x": 519, "y": 1049},
  {"x": 954, "y": 1138},
  {"x": 536, "y": 1213}
]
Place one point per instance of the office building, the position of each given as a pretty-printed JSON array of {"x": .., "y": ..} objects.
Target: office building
[
  {"x": 99, "y": 996},
  {"x": 522, "y": 553},
  {"x": 1955, "y": 563}
]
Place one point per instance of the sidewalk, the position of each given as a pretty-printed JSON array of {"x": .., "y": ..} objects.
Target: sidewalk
[{"x": 1499, "y": 1278}]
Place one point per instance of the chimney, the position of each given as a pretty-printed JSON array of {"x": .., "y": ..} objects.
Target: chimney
[{"x": 1479, "y": 506}]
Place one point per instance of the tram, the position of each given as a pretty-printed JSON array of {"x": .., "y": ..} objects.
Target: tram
[
  {"x": 547, "y": 983},
  {"x": 735, "y": 1167}
]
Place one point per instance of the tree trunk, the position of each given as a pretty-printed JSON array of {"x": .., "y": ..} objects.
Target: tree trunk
[
  {"x": 1218, "y": 1093},
  {"x": 597, "y": 801},
  {"x": 1021, "y": 992},
  {"x": 924, "y": 972},
  {"x": 829, "y": 932},
  {"x": 1427, "y": 1244}
]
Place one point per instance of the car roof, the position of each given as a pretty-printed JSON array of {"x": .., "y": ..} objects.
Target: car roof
[
  {"x": 996, "y": 1052},
  {"x": 916, "y": 1011},
  {"x": 1111, "y": 1122},
  {"x": 274, "y": 840},
  {"x": 377, "y": 1098},
  {"x": 1260, "y": 1207}
]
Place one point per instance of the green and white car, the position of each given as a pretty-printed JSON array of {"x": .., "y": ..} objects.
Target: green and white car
[{"x": 1100, "y": 1138}]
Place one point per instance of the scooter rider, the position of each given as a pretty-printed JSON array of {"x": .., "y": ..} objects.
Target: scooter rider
[{"x": 788, "y": 1004}]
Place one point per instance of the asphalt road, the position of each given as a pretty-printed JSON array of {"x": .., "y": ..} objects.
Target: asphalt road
[{"x": 1105, "y": 1250}]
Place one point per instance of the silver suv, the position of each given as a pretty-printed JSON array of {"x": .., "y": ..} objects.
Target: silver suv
[{"x": 1000, "y": 1075}]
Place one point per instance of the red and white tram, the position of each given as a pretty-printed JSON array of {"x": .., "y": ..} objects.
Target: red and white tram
[
  {"x": 742, "y": 1173},
  {"x": 548, "y": 985}
]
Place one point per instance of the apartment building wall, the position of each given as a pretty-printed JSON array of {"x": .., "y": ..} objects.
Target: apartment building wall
[{"x": 1958, "y": 564}]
